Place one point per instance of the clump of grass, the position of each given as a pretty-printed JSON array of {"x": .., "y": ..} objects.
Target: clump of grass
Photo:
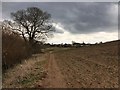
[
  {"x": 36, "y": 74},
  {"x": 31, "y": 79}
]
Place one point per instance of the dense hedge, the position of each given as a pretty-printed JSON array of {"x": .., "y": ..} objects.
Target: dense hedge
[{"x": 14, "y": 49}]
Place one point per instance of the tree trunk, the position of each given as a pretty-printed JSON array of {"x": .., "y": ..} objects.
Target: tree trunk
[{"x": 31, "y": 42}]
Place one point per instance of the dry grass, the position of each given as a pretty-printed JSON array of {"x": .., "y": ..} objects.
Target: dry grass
[
  {"x": 86, "y": 67},
  {"x": 27, "y": 74}
]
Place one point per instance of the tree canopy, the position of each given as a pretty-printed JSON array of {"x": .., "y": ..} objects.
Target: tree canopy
[{"x": 32, "y": 23}]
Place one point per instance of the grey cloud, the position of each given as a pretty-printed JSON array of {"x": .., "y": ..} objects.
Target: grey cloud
[
  {"x": 61, "y": 0},
  {"x": 76, "y": 17},
  {"x": 84, "y": 18}
]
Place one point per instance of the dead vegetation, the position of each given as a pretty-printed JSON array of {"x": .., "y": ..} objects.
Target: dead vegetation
[
  {"x": 85, "y": 67},
  {"x": 14, "y": 49},
  {"x": 27, "y": 74}
]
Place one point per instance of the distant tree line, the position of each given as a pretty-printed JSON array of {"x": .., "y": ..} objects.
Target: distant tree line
[{"x": 74, "y": 44}]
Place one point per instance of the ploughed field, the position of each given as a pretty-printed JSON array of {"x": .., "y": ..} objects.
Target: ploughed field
[
  {"x": 90, "y": 66},
  {"x": 93, "y": 66}
]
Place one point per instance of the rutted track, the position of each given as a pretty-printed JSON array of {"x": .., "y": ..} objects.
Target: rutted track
[{"x": 54, "y": 77}]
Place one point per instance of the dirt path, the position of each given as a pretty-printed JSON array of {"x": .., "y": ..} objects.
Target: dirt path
[
  {"x": 40, "y": 71},
  {"x": 54, "y": 77}
]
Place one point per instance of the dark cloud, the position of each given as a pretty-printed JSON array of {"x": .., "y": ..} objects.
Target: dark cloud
[{"x": 75, "y": 17}]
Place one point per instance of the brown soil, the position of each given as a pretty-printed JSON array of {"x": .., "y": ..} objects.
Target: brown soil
[
  {"x": 91, "y": 66},
  {"x": 85, "y": 67},
  {"x": 54, "y": 78}
]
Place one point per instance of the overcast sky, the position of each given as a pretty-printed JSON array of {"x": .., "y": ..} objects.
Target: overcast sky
[
  {"x": 60, "y": 0},
  {"x": 76, "y": 21}
]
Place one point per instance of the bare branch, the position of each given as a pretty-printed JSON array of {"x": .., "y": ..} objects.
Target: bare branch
[{"x": 34, "y": 21}]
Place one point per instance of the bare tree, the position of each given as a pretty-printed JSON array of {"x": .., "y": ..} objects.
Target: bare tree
[{"x": 33, "y": 24}]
